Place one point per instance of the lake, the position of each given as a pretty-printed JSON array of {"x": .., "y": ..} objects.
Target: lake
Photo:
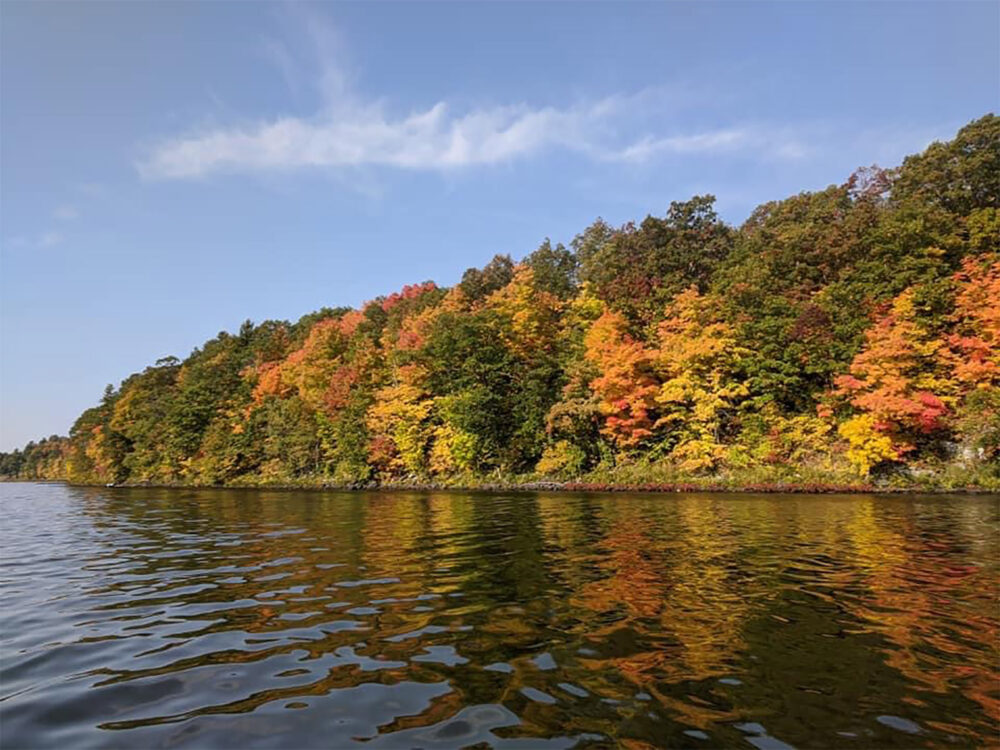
[{"x": 255, "y": 618}]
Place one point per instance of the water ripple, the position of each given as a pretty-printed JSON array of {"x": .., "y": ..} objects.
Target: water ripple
[{"x": 155, "y": 618}]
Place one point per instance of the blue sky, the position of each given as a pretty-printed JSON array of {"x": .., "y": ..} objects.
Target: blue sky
[{"x": 169, "y": 170}]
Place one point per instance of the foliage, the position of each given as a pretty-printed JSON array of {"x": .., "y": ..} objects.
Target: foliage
[
  {"x": 626, "y": 386},
  {"x": 638, "y": 269},
  {"x": 897, "y": 381},
  {"x": 698, "y": 363},
  {"x": 869, "y": 445}
]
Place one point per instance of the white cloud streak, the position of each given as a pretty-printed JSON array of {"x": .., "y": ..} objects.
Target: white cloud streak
[
  {"x": 770, "y": 143},
  {"x": 433, "y": 139},
  {"x": 348, "y": 131}
]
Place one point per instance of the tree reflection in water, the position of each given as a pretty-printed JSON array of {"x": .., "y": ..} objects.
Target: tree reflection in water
[{"x": 154, "y": 617}]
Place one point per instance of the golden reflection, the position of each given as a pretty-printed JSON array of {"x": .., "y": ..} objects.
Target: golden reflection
[{"x": 910, "y": 588}]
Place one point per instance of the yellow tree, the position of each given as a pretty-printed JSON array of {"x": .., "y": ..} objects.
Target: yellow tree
[
  {"x": 697, "y": 359},
  {"x": 100, "y": 454},
  {"x": 399, "y": 423},
  {"x": 534, "y": 314}
]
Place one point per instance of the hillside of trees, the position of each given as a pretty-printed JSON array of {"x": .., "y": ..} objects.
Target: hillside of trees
[{"x": 849, "y": 332}]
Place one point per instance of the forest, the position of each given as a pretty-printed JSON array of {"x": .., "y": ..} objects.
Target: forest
[{"x": 848, "y": 336}]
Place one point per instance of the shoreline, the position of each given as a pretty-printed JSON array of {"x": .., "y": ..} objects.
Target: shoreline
[{"x": 568, "y": 487}]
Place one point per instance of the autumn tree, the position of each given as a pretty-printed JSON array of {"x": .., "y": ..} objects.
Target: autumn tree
[
  {"x": 698, "y": 364},
  {"x": 901, "y": 394},
  {"x": 973, "y": 353},
  {"x": 626, "y": 385}
]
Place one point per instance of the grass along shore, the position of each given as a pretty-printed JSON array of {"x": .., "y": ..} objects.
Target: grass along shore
[{"x": 648, "y": 478}]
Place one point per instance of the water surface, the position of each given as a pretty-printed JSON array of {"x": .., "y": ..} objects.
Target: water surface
[{"x": 226, "y": 618}]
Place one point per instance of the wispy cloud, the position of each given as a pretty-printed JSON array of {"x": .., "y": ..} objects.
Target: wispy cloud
[
  {"x": 365, "y": 135},
  {"x": 349, "y": 130},
  {"x": 92, "y": 189},
  {"x": 770, "y": 142},
  {"x": 48, "y": 239},
  {"x": 278, "y": 54},
  {"x": 66, "y": 212},
  {"x": 44, "y": 240}
]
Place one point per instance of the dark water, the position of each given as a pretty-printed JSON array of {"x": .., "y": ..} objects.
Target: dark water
[{"x": 155, "y": 618}]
